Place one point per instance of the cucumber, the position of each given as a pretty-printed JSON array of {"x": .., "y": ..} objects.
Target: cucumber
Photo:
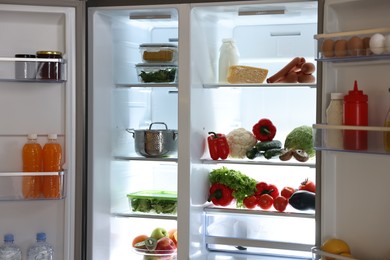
[
  {"x": 267, "y": 145},
  {"x": 272, "y": 153}
]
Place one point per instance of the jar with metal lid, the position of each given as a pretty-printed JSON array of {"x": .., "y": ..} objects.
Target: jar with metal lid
[
  {"x": 25, "y": 69},
  {"x": 48, "y": 69}
]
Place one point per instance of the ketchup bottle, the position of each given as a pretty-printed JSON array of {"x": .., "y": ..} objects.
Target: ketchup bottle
[{"x": 356, "y": 114}]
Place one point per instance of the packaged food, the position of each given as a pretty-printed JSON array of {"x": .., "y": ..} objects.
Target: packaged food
[
  {"x": 156, "y": 73},
  {"x": 158, "y": 52},
  {"x": 152, "y": 201}
]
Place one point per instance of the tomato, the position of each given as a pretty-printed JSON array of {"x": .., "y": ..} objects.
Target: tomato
[
  {"x": 265, "y": 201},
  {"x": 287, "y": 192},
  {"x": 308, "y": 185},
  {"x": 280, "y": 203},
  {"x": 250, "y": 202},
  {"x": 265, "y": 188}
]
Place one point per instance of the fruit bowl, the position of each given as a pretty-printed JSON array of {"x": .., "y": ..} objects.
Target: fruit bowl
[{"x": 156, "y": 254}]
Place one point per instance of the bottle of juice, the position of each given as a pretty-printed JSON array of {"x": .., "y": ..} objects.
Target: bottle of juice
[
  {"x": 386, "y": 134},
  {"x": 52, "y": 156},
  {"x": 32, "y": 162}
]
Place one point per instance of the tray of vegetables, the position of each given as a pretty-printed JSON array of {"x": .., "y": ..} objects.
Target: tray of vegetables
[{"x": 153, "y": 201}]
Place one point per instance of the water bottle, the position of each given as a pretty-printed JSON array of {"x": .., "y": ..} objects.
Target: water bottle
[
  {"x": 41, "y": 250},
  {"x": 355, "y": 114},
  {"x": 10, "y": 251},
  {"x": 52, "y": 156},
  {"x": 32, "y": 162},
  {"x": 228, "y": 56}
]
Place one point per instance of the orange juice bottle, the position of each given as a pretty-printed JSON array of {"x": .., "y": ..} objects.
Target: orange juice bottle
[
  {"x": 52, "y": 156},
  {"x": 386, "y": 134},
  {"x": 32, "y": 162}
]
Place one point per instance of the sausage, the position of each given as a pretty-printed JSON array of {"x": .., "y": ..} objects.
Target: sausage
[
  {"x": 281, "y": 73},
  {"x": 291, "y": 77},
  {"x": 306, "y": 78}
]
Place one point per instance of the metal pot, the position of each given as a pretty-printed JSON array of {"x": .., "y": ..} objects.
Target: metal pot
[{"x": 153, "y": 142}]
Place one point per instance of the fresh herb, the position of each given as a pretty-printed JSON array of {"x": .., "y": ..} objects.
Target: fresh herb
[
  {"x": 162, "y": 75},
  {"x": 241, "y": 184}
]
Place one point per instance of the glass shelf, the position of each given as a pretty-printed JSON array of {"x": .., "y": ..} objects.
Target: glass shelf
[
  {"x": 256, "y": 85},
  {"x": 318, "y": 254},
  {"x": 11, "y": 185},
  {"x": 129, "y": 214},
  {"x": 261, "y": 161},
  {"x": 141, "y": 158},
  {"x": 147, "y": 85},
  {"x": 375, "y": 134}
]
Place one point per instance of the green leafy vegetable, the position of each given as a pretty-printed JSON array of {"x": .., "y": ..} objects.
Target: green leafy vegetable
[
  {"x": 301, "y": 138},
  {"x": 163, "y": 75},
  {"x": 241, "y": 184},
  {"x": 156, "y": 205}
]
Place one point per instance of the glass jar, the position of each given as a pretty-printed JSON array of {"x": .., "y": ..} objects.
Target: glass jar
[
  {"x": 25, "y": 69},
  {"x": 48, "y": 69}
]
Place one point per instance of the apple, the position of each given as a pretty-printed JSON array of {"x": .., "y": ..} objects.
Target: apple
[
  {"x": 172, "y": 234},
  {"x": 165, "y": 245},
  {"x": 158, "y": 233}
]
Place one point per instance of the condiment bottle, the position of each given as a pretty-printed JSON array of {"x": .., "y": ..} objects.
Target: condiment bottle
[
  {"x": 386, "y": 134},
  {"x": 228, "y": 56},
  {"x": 355, "y": 114},
  {"x": 334, "y": 116}
]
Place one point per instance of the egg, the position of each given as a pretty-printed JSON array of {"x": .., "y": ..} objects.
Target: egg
[
  {"x": 340, "y": 48},
  {"x": 387, "y": 43},
  {"x": 377, "y": 43},
  {"x": 355, "y": 46},
  {"x": 327, "y": 48}
]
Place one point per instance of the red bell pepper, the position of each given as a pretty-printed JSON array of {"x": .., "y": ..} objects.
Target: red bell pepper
[
  {"x": 220, "y": 195},
  {"x": 264, "y": 130},
  {"x": 218, "y": 146}
]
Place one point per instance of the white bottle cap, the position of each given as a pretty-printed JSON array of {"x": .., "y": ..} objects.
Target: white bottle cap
[
  {"x": 336, "y": 95},
  {"x": 52, "y": 136},
  {"x": 32, "y": 136}
]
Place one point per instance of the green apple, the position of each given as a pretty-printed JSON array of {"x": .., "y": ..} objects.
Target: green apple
[{"x": 159, "y": 232}]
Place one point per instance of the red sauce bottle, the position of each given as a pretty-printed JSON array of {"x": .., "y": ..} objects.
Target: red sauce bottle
[{"x": 355, "y": 114}]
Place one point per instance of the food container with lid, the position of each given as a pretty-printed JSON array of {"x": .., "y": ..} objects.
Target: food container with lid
[
  {"x": 158, "y": 52},
  {"x": 25, "y": 69},
  {"x": 153, "y": 201},
  {"x": 51, "y": 70},
  {"x": 156, "y": 73}
]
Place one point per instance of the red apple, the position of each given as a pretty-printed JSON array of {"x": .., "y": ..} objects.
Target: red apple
[{"x": 165, "y": 245}]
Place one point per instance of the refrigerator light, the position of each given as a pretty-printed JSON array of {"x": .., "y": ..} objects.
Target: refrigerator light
[
  {"x": 261, "y": 12},
  {"x": 149, "y": 16}
]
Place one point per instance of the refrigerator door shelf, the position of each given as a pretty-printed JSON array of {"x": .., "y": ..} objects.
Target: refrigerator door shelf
[
  {"x": 319, "y": 254},
  {"x": 375, "y": 134},
  {"x": 11, "y": 185},
  {"x": 9, "y": 73}
]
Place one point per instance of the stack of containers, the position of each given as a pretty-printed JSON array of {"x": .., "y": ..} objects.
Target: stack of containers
[{"x": 159, "y": 63}]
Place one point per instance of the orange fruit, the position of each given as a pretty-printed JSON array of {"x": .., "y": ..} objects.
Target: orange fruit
[
  {"x": 137, "y": 239},
  {"x": 335, "y": 246}
]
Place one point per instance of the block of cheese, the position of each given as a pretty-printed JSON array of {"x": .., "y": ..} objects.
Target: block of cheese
[{"x": 246, "y": 74}]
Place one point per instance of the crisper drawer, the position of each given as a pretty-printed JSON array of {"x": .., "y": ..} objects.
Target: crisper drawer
[
  {"x": 20, "y": 185},
  {"x": 262, "y": 233}
]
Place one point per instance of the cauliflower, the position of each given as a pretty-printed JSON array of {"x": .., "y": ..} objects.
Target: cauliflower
[
  {"x": 240, "y": 140},
  {"x": 301, "y": 138}
]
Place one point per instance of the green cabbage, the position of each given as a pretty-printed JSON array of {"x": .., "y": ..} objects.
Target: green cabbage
[{"x": 301, "y": 138}]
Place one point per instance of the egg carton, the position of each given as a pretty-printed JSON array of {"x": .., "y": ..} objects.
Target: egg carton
[{"x": 372, "y": 43}]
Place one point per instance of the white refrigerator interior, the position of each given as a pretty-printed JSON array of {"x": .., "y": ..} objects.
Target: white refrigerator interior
[
  {"x": 268, "y": 36},
  {"x": 354, "y": 205},
  {"x": 41, "y": 107}
]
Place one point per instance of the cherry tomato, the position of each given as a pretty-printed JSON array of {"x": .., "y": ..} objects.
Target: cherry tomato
[
  {"x": 308, "y": 185},
  {"x": 250, "y": 202},
  {"x": 265, "y": 201},
  {"x": 287, "y": 192},
  {"x": 280, "y": 203}
]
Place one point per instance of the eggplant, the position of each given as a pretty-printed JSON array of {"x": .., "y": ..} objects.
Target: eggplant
[{"x": 303, "y": 200}]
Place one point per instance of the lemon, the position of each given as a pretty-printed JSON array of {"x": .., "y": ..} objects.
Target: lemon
[{"x": 335, "y": 246}]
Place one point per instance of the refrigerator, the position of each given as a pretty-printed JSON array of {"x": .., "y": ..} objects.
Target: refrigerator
[{"x": 34, "y": 103}]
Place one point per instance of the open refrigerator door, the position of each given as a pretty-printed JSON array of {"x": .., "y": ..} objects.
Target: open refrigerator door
[
  {"x": 354, "y": 174},
  {"x": 38, "y": 100}
]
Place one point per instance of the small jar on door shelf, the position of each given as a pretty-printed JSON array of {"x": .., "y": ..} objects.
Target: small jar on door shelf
[
  {"x": 25, "y": 69},
  {"x": 51, "y": 70}
]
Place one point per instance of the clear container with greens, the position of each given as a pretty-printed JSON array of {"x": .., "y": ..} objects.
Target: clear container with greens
[{"x": 153, "y": 201}]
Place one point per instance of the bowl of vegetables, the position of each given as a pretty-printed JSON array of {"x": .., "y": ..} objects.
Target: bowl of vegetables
[
  {"x": 156, "y": 73},
  {"x": 153, "y": 201}
]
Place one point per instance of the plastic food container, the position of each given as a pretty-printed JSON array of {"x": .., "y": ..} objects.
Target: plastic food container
[
  {"x": 158, "y": 52},
  {"x": 152, "y": 201},
  {"x": 156, "y": 73}
]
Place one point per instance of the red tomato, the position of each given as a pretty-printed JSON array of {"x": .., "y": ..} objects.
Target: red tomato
[
  {"x": 280, "y": 203},
  {"x": 265, "y": 201},
  {"x": 287, "y": 192},
  {"x": 308, "y": 185},
  {"x": 250, "y": 202}
]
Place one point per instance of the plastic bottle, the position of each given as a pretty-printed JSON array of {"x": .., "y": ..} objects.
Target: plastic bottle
[
  {"x": 40, "y": 250},
  {"x": 355, "y": 114},
  {"x": 228, "y": 56},
  {"x": 52, "y": 156},
  {"x": 32, "y": 162},
  {"x": 386, "y": 134},
  {"x": 10, "y": 251},
  {"x": 334, "y": 116}
]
